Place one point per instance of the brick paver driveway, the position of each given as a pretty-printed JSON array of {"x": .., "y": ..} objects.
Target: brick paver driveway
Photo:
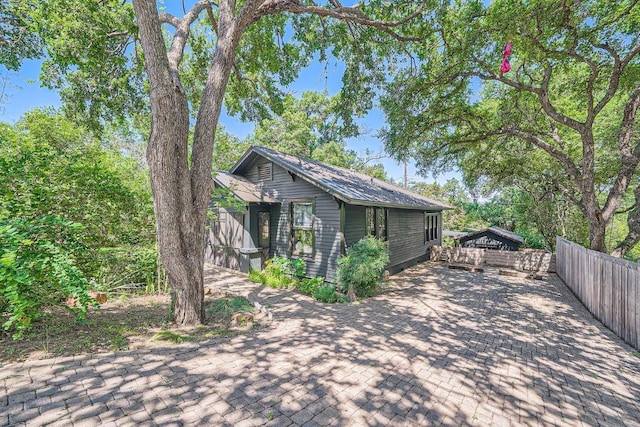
[{"x": 439, "y": 347}]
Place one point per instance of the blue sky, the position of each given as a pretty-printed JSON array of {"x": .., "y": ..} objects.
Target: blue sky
[{"x": 25, "y": 93}]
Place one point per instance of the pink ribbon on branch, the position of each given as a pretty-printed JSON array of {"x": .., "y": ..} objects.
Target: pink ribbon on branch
[{"x": 505, "y": 67}]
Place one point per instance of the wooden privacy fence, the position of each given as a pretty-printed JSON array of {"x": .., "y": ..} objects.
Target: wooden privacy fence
[
  {"x": 606, "y": 285},
  {"x": 527, "y": 260}
]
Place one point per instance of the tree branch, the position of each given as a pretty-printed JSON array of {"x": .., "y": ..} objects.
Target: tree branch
[
  {"x": 348, "y": 14},
  {"x": 614, "y": 80},
  {"x": 183, "y": 27},
  {"x": 570, "y": 167},
  {"x": 543, "y": 96},
  {"x": 542, "y": 92},
  {"x": 616, "y": 18},
  {"x": 573, "y": 54}
]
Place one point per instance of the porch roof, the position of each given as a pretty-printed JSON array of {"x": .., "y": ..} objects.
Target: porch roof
[{"x": 242, "y": 188}]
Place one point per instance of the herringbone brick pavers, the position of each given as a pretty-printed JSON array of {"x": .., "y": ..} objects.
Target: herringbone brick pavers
[{"x": 438, "y": 347}]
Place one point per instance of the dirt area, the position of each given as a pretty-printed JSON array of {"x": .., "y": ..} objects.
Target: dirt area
[{"x": 127, "y": 323}]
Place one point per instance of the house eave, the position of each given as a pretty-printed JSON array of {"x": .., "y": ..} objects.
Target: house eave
[
  {"x": 338, "y": 195},
  {"x": 395, "y": 205}
]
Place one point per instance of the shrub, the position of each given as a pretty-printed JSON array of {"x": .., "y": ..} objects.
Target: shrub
[
  {"x": 256, "y": 276},
  {"x": 38, "y": 268},
  {"x": 309, "y": 286},
  {"x": 282, "y": 272},
  {"x": 285, "y": 266},
  {"x": 362, "y": 268},
  {"x": 286, "y": 273},
  {"x": 325, "y": 294}
]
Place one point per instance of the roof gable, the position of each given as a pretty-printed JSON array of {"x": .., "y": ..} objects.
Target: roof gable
[
  {"x": 495, "y": 230},
  {"x": 347, "y": 185}
]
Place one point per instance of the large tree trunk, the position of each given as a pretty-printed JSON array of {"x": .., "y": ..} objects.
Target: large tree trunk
[
  {"x": 597, "y": 225},
  {"x": 181, "y": 193},
  {"x": 167, "y": 155},
  {"x": 597, "y": 234}
]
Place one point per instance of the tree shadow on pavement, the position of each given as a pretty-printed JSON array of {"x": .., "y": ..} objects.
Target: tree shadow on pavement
[{"x": 437, "y": 347}]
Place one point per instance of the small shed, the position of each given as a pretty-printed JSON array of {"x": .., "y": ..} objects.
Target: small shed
[{"x": 493, "y": 237}]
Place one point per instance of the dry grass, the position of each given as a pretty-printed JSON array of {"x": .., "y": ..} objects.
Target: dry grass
[{"x": 124, "y": 324}]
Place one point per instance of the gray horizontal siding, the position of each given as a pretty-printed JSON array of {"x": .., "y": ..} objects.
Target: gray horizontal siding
[
  {"x": 355, "y": 223},
  {"x": 326, "y": 223},
  {"x": 405, "y": 233},
  {"x": 406, "y": 236}
]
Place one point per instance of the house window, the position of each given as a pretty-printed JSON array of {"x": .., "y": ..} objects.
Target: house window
[
  {"x": 264, "y": 219},
  {"x": 376, "y": 222},
  {"x": 431, "y": 229},
  {"x": 302, "y": 228},
  {"x": 265, "y": 172}
]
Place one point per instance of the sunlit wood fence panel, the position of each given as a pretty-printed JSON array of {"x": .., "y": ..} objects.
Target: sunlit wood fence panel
[{"x": 606, "y": 285}]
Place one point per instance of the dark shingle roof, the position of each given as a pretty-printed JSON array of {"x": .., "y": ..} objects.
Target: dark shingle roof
[
  {"x": 242, "y": 188},
  {"x": 352, "y": 187},
  {"x": 496, "y": 230}
]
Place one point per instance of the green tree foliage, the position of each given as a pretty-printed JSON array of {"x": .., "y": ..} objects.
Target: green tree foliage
[
  {"x": 453, "y": 193},
  {"x": 17, "y": 41},
  {"x": 52, "y": 167},
  {"x": 89, "y": 57},
  {"x": 229, "y": 149},
  {"x": 360, "y": 271},
  {"x": 305, "y": 126},
  {"x": 565, "y": 114},
  {"x": 38, "y": 268}
]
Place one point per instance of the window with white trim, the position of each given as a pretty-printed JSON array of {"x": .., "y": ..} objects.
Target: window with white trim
[{"x": 302, "y": 229}]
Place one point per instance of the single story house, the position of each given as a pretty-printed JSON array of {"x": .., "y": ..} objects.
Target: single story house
[
  {"x": 490, "y": 238},
  {"x": 295, "y": 207}
]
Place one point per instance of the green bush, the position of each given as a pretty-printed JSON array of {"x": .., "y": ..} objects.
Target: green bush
[
  {"x": 362, "y": 268},
  {"x": 256, "y": 276},
  {"x": 285, "y": 267},
  {"x": 325, "y": 294},
  {"x": 280, "y": 272},
  {"x": 38, "y": 268},
  {"x": 50, "y": 167},
  {"x": 309, "y": 286},
  {"x": 285, "y": 273}
]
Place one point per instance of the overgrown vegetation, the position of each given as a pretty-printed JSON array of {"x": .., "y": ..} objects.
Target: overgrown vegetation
[
  {"x": 360, "y": 272},
  {"x": 38, "y": 268},
  {"x": 74, "y": 215}
]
